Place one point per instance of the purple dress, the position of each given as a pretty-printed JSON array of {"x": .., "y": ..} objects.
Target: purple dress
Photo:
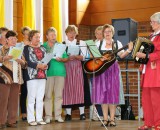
[{"x": 106, "y": 86}]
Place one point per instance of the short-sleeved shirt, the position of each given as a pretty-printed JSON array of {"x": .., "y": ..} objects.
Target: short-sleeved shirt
[{"x": 56, "y": 68}]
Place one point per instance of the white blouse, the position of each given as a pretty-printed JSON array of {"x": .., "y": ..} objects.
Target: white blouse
[{"x": 119, "y": 44}]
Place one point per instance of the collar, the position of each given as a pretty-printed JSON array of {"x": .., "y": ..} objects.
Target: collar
[
  {"x": 154, "y": 34},
  {"x": 71, "y": 42}
]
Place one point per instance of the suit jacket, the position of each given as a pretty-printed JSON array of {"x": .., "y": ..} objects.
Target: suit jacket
[{"x": 152, "y": 73}]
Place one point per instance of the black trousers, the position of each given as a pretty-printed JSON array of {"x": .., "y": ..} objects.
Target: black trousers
[{"x": 23, "y": 97}]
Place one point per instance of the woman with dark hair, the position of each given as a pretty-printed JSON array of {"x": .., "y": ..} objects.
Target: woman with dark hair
[{"x": 10, "y": 80}]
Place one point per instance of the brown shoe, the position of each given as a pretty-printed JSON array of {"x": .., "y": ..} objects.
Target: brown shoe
[{"x": 13, "y": 125}]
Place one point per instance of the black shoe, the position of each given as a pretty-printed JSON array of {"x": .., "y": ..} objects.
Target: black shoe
[
  {"x": 106, "y": 123},
  {"x": 68, "y": 118},
  {"x": 24, "y": 118},
  {"x": 112, "y": 123},
  {"x": 82, "y": 117}
]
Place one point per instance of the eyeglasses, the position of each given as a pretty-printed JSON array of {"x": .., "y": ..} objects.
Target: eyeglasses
[{"x": 153, "y": 22}]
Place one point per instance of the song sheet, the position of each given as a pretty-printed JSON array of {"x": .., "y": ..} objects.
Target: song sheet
[
  {"x": 93, "y": 49},
  {"x": 83, "y": 48},
  {"x": 47, "y": 58},
  {"x": 73, "y": 50},
  {"x": 16, "y": 52},
  {"x": 58, "y": 50}
]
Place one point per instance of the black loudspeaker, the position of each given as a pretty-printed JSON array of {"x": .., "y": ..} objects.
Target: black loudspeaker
[{"x": 125, "y": 31}]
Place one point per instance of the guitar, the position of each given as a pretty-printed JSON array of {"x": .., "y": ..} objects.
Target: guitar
[{"x": 99, "y": 65}]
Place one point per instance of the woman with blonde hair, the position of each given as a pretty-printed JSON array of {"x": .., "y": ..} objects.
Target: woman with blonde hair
[
  {"x": 106, "y": 86},
  {"x": 73, "y": 94}
]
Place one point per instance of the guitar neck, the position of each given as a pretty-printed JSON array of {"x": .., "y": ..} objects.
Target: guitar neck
[{"x": 120, "y": 49}]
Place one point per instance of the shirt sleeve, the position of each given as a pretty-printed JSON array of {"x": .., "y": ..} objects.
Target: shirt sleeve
[
  {"x": 119, "y": 44},
  {"x": 26, "y": 55}
]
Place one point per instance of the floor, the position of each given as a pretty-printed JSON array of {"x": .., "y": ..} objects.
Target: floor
[{"x": 76, "y": 124}]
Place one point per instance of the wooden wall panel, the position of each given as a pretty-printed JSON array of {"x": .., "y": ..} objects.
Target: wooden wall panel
[
  {"x": 119, "y": 5},
  {"x": 83, "y": 12},
  {"x": 73, "y": 12},
  {"x": 83, "y": 5},
  {"x": 19, "y": 19},
  {"x": 72, "y": 5},
  {"x": 102, "y": 11},
  {"x": 47, "y": 3},
  {"x": 83, "y": 18},
  {"x": 47, "y": 16},
  {"x": 138, "y": 15},
  {"x": 79, "y": 12},
  {"x": 72, "y": 18}
]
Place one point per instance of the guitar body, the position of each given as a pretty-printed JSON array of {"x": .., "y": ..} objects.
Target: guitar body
[{"x": 97, "y": 66}]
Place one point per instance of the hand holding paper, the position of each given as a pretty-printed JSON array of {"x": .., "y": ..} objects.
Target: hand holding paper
[
  {"x": 15, "y": 52},
  {"x": 58, "y": 51},
  {"x": 47, "y": 58},
  {"x": 73, "y": 50}
]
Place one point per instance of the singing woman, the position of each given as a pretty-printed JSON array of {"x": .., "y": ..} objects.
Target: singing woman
[
  {"x": 106, "y": 86},
  {"x": 10, "y": 80},
  {"x": 73, "y": 93}
]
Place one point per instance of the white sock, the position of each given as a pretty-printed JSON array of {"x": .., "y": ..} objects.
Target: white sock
[
  {"x": 68, "y": 111},
  {"x": 81, "y": 109}
]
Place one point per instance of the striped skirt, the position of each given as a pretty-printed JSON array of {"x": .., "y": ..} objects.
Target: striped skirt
[
  {"x": 73, "y": 92},
  {"x": 106, "y": 87}
]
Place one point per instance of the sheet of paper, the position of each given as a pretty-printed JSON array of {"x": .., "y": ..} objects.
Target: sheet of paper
[
  {"x": 16, "y": 52},
  {"x": 47, "y": 58},
  {"x": 83, "y": 48},
  {"x": 58, "y": 50},
  {"x": 20, "y": 44},
  {"x": 93, "y": 49},
  {"x": 73, "y": 50}
]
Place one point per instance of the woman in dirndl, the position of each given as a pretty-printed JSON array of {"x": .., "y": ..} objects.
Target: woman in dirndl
[
  {"x": 75, "y": 88},
  {"x": 106, "y": 86}
]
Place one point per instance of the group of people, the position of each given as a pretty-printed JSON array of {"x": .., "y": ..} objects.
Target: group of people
[
  {"x": 64, "y": 81},
  {"x": 58, "y": 79}
]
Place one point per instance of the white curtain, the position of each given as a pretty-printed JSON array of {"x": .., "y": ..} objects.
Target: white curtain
[
  {"x": 39, "y": 17},
  {"x": 64, "y": 18},
  {"x": 8, "y": 14}
]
